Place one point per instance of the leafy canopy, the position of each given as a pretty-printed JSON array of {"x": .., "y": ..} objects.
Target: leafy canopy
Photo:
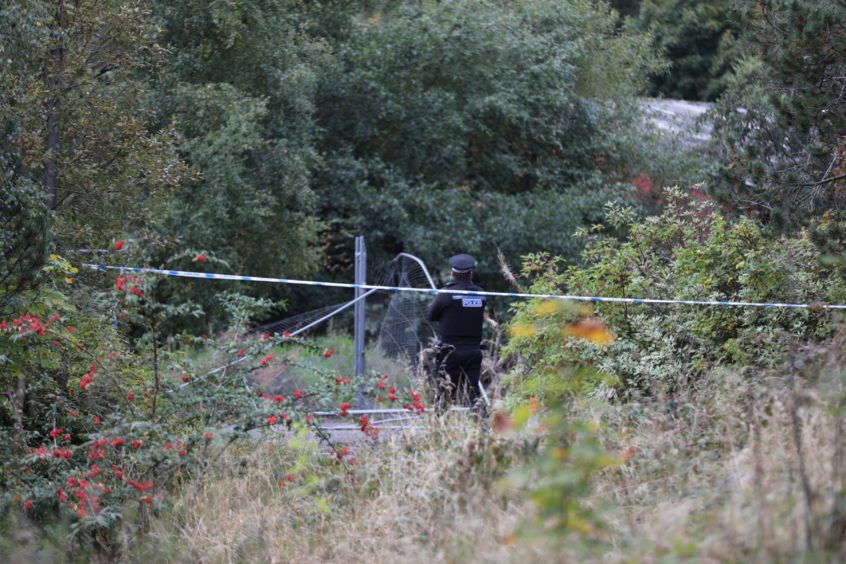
[
  {"x": 239, "y": 89},
  {"x": 443, "y": 118}
]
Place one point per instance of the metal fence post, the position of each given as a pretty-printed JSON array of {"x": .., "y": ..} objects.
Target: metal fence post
[{"x": 360, "y": 278}]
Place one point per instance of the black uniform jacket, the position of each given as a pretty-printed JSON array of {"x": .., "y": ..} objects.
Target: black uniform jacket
[{"x": 460, "y": 315}]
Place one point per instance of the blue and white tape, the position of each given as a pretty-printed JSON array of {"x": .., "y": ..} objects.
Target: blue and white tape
[{"x": 565, "y": 297}]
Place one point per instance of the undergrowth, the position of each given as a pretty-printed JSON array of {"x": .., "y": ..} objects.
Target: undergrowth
[
  {"x": 436, "y": 494},
  {"x": 738, "y": 469},
  {"x": 649, "y": 435}
]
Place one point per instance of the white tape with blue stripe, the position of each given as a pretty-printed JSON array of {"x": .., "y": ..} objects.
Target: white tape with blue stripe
[{"x": 596, "y": 299}]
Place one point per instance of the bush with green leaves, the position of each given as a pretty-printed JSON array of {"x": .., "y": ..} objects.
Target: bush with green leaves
[
  {"x": 688, "y": 252},
  {"x": 559, "y": 476},
  {"x": 105, "y": 413},
  {"x": 239, "y": 89},
  {"x": 459, "y": 123}
]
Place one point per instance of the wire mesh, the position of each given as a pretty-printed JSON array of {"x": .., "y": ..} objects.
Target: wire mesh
[
  {"x": 397, "y": 318},
  {"x": 298, "y": 321},
  {"x": 403, "y": 329}
]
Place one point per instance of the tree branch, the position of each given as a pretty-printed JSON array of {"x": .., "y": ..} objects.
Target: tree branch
[{"x": 825, "y": 181}]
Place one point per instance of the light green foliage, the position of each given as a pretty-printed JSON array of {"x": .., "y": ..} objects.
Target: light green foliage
[
  {"x": 460, "y": 123},
  {"x": 241, "y": 309},
  {"x": 545, "y": 367},
  {"x": 689, "y": 252},
  {"x": 239, "y": 88},
  {"x": 561, "y": 476}
]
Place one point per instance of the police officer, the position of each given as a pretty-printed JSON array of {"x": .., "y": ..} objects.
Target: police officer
[{"x": 460, "y": 318}]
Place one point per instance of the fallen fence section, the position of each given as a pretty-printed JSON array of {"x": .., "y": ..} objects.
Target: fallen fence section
[
  {"x": 392, "y": 416},
  {"x": 377, "y": 411}
]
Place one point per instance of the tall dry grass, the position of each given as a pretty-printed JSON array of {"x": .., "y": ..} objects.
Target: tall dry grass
[
  {"x": 434, "y": 495},
  {"x": 743, "y": 467},
  {"x": 746, "y": 468}
]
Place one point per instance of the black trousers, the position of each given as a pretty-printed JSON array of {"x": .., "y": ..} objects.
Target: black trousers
[{"x": 460, "y": 369}]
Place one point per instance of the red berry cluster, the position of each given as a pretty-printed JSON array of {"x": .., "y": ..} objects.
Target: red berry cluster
[
  {"x": 370, "y": 430},
  {"x": 180, "y": 448},
  {"x": 27, "y": 324},
  {"x": 59, "y": 433},
  {"x": 279, "y": 399},
  {"x": 43, "y": 452},
  {"x": 96, "y": 449},
  {"x": 134, "y": 284},
  {"x": 88, "y": 378},
  {"x": 392, "y": 392},
  {"x": 416, "y": 405},
  {"x": 84, "y": 495}
]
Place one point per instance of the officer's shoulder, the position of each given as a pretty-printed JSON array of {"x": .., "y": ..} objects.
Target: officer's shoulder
[{"x": 450, "y": 284}]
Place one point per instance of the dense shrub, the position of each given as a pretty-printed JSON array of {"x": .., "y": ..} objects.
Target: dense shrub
[
  {"x": 699, "y": 40},
  {"x": 105, "y": 413},
  {"x": 239, "y": 89},
  {"x": 451, "y": 123},
  {"x": 688, "y": 252}
]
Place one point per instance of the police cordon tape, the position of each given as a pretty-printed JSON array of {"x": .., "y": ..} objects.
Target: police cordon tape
[{"x": 565, "y": 297}]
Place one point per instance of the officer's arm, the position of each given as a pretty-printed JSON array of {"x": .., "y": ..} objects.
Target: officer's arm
[{"x": 436, "y": 307}]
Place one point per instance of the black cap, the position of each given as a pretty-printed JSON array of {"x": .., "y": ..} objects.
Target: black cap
[{"x": 462, "y": 263}]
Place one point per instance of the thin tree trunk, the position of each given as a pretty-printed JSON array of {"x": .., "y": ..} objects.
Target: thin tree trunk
[
  {"x": 18, "y": 401},
  {"x": 54, "y": 106},
  {"x": 155, "y": 362},
  {"x": 51, "y": 171}
]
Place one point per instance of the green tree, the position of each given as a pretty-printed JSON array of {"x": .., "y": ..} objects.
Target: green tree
[
  {"x": 74, "y": 114},
  {"x": 239, "y": 89},
  {"x": 447, "y": 122},
  {"x": 698, "y": 38},
  {"x": 779, "y": 129}
]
